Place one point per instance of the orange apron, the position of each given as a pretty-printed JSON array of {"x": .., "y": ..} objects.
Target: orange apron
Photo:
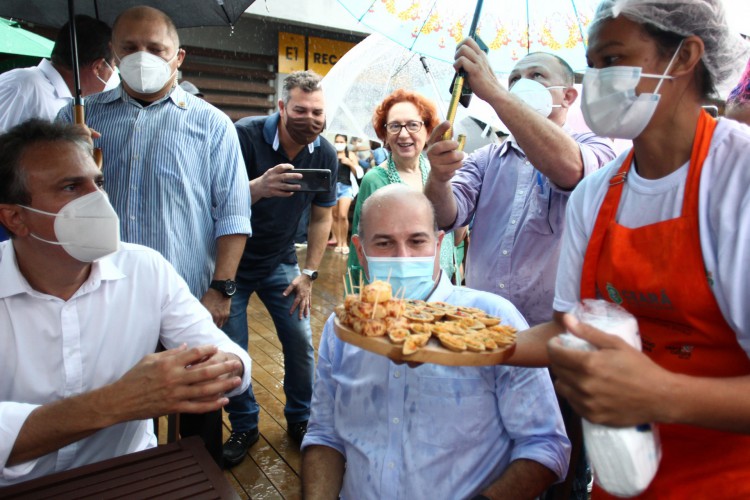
[{"x": 657, "y": 273}]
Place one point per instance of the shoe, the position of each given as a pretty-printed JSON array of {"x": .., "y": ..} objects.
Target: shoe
[
  {"x": 337, "y": 249},
  {"x": 300, "y": 245},
  {"x": 235, "y": 449},
  {"x": 345, "y": 250},
  {"x": 297, "y": 431}
]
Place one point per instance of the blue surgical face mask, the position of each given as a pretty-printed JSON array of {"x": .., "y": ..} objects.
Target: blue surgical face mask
[{"x": 410, "y": 277}]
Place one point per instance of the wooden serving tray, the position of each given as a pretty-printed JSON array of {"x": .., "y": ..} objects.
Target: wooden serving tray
[{"x": 433, "y": 352}]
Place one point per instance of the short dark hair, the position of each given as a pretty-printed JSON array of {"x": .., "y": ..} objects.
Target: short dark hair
[
  {"x": 13, "y": 143},
  {"x": 308, "y": 81},
  {"x": 93, "y": 37}
]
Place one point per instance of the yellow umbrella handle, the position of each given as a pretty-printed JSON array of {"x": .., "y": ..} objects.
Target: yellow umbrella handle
[
  {"x": 78, "y": 119},
  {"x": 458, "y": 86}
]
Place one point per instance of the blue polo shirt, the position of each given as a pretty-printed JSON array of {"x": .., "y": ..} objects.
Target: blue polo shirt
[{"x": 275, "y": 220}]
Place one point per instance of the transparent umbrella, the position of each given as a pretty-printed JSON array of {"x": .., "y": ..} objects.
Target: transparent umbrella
[
  {"x": 374, "y": 68},
  {"x": 510, "y": 28}
]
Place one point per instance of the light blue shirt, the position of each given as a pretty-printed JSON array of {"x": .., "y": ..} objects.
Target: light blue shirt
[
  {"x": 174, "y": 174},
  {"x": 432, "y": 431},
  {"x": 519, "y": 217}
]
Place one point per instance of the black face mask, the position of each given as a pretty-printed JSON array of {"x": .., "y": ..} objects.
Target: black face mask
[{"x": 303, "y": 131}]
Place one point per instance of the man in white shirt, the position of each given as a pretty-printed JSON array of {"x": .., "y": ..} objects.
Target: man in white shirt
[
  {"x": 80, "y": 319},
  {"x": 40, "y": 91}
]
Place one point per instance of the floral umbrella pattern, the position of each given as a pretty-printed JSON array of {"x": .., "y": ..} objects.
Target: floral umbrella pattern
[{"x": 510, "y": 28}]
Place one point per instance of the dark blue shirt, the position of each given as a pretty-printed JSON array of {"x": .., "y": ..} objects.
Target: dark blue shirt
[{"x": 274, "y": 220}]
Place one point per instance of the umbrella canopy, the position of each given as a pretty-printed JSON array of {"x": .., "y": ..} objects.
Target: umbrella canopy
[
  {"x": 373, "y": 69},
  {"x": 184, "y": 13},
  {"x": 16, "y": 40},
  {"x": 510, "y": 28}
]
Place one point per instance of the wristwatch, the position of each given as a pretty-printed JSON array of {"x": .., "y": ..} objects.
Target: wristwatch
[
  {"x": 227, "y": 287},
  {"x": 310, "y": 273}
]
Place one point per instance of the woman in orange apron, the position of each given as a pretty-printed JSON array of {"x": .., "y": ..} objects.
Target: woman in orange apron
[{"x": 664, "y": 231}]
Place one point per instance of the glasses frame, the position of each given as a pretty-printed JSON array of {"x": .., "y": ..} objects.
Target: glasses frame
[{"x": 392, "y": 125}]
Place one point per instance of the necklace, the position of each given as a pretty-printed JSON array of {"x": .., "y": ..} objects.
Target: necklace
[{"x": 393, "y": 173}]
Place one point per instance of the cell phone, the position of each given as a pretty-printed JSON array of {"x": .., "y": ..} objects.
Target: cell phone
[{"x": 313, "y": 180}]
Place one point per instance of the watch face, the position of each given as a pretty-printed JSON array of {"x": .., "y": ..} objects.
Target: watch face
[
  {"x": 314, "y": 275},
  {"x": 230, "y": 287}
]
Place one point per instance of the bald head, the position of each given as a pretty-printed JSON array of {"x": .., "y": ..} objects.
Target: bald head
[
  {"x": 397, "y": 222},
  {"x": 144, "y": 14},
  {"x": 553, "y": 68},
  {"x": 400, "y": 201}
]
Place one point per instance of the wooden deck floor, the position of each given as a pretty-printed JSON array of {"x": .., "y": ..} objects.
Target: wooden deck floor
[{"x": 272, "y": 469}]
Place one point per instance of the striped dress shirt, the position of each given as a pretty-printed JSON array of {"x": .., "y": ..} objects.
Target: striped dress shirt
[{"x": 174, "y": 174}]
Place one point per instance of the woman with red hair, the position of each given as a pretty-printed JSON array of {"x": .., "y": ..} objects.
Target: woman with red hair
[{"x": 403, "y": 121}]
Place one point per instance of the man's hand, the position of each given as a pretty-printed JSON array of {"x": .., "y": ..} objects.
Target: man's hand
[
  {"x": 178, "y": 380},
  {"x": 444, "y": 156},
  {"x": 218, "y": 358},
  {"x": 275, "y": 182},
  {"x": 616, "y": 385},
  {"x": 473, "y": 61},
  {"x": 302, "y": 287},
  {"x": 218, "y": 305}
]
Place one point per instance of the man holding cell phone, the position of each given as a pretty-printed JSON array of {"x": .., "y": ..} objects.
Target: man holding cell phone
[{"x": 275, "y": 148}]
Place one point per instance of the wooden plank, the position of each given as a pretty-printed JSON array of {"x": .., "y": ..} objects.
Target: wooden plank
[
  {"x": 235, "y": 71},
  {"x": 206, "y": 83},
  {"x": 239, "y": 100},
  {"x": 238, "y": 114},
  {"x": 233, "y": 55},
  {"x": 271, "y": 471}
]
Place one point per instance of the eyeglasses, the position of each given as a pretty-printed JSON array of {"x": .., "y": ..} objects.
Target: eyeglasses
[{"x": 412, "y": 126}]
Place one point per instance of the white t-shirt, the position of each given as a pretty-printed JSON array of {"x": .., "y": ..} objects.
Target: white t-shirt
[
  {"x": 53, "y": 349},
  {"x": 724, "y": 219}
]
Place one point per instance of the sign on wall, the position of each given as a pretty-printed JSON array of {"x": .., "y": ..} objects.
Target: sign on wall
[
  {"x": 291, "y": 52},
  {"x": 318, "y": 54},
  {"x": 322, "y": 53}
]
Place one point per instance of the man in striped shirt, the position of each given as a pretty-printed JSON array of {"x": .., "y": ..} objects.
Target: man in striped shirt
[
  {"x": 173, "y": 170},
  {"x": 172, "y": 162}
]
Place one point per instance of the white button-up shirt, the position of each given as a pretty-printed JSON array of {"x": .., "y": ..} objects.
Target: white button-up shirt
[
  {"x": 36, "y": 92},
  {"x": 54, "y": 349}
]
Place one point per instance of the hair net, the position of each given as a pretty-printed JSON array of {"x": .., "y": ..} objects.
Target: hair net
[
  {"x": 741, "y": 93},
  {"x": 702, "y": 18}
]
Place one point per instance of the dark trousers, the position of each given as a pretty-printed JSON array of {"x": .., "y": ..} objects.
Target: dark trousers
[{"x": 208, "y": 427}]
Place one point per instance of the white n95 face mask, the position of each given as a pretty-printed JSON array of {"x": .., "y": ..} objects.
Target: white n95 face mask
[
  {"x": 146, "y": 73},
  {"x": 87, "y": 228},
  {"x": 610, "y": 106},
  {"x": 113, "y": 81},
  {"x": 536, "y": 95}
]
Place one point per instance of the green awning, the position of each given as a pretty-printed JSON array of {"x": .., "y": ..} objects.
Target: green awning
[{"x": 16, "y": 40}]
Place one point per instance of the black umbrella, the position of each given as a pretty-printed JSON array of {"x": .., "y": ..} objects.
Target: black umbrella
[{"x": 184, "y": 14}]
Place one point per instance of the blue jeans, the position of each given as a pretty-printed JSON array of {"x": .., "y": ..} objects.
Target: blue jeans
[{"x": 296, "y": 340}]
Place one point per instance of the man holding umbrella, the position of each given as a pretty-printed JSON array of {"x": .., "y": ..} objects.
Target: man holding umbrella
[
  {"x": 172, "y": 163},
  {"x": 40, "y": 91},
  {"x": 517, "y": 191}
]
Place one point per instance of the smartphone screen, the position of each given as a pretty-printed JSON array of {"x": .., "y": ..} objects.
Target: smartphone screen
[{"x": 313, "y": 180}]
